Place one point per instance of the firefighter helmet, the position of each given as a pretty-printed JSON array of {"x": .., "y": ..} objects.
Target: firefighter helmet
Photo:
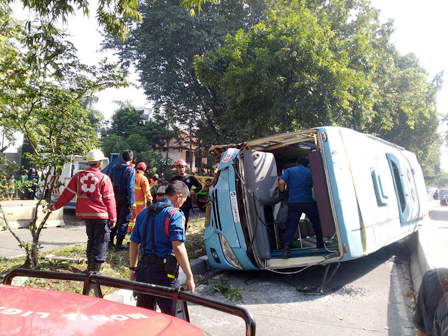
[
  {"x": 95, "y": 155},
  {"x": 141, "y": 166},
  {"x": 181, "y": 162}
]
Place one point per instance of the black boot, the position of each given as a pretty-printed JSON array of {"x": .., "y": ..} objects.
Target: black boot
[
  {"x": 96, "y": 267},
  {"x": 286, "y": 250},
  {"x": 89, "y": 264},
  {"x": 120, "y": 246}
]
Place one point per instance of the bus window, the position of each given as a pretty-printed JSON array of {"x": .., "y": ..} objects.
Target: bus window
[
  {"x": 381, "y": 198},
  {"x": 400, "y": 187}
]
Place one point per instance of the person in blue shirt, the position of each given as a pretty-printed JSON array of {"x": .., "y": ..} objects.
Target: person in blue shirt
[
  {"x": 123, "y": 179},
  {"x": 300, "y": 200},
  {"x": 159, "y": 232}
]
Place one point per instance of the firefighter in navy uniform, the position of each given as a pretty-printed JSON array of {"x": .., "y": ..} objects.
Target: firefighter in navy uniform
[
  {"x": 123, "y": 179},
  {"x": 189, "y": 180},
  {"x": 160, "y": 231},
  {"x": 95, "y": 204}
]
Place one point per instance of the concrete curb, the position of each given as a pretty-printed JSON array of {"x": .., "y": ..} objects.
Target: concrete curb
[
  {"x": 19, "y": 213},
  {"x": 198, "y": 266},
  {"x": 419, "y": 262}
]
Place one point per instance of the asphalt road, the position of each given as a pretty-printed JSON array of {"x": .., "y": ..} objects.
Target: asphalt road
[
  {"x": 73, "y": 233},
  {"x": 368, "y": 296}
]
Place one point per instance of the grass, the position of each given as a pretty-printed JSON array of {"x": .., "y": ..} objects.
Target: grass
[{"x": 116, "y": 264}]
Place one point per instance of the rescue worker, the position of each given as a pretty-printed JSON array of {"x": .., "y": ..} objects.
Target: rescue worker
[
  {"x": 300, "y": 200},
  {"x": 95, "y": 204},
  {"x": 123, "y": 180},
  {"x": 160, "y": 231},
  {"x": 141, "y": 191},
  {"x": 189, "y": 180},
  {"x": 154, "y": 180}
]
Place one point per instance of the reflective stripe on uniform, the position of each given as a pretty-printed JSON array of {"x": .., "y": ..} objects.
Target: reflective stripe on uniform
[
  {"x": 140, "y": 202},
  {"x": 110, "y": 195},
  {"x": 94, "y": 199},
  {"x": 93, "y": 214},
  {"x": 137, "y": 187},
  {"x": 167, "y": 221},
  {"x": 72, "y": 191}
]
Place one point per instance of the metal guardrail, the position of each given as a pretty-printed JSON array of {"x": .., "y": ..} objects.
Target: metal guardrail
[{"x": 94, "y": 282}]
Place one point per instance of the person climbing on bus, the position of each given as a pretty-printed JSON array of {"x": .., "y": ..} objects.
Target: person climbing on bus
[{"x": 300, "y": 200}]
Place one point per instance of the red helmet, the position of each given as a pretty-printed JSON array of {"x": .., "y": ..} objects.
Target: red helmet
[
  {"x": 141, "y": 166},
  {"x": 181, "y": 162}
]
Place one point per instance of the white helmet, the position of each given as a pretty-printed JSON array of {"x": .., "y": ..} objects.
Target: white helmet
[{"x": 95, "y": 155}]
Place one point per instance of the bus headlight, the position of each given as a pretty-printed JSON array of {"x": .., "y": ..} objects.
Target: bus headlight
[{"x": 228, "y": 253}]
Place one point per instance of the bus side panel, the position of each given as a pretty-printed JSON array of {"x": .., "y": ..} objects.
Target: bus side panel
[
  {"x": 368, "y": 156},
  {"x": 376, "y": 195},
  {"x": 342, "y": 193}
]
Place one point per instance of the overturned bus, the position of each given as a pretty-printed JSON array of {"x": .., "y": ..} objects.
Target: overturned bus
[{"x": 369, "y": 193}]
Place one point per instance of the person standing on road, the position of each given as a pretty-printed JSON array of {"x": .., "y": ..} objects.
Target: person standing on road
[
  {"x": 95, "y": 204},
  {"x": 160, "y": 232},
  {"x": 189, "y": 180},
  {"x": 123, "y": 180},
  {"x": 23, "y": 190},
  {"x": 34, "y": 178},
  {"x": 300, "y": 200},
  {"x": 11, "y": 187},
  {"x": 142, "y": 193}
]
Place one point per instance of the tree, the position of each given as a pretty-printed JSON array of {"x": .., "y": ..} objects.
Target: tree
[
  {"x": 312, "y": 63},
  {"x": 146, "y": 139},
  {"x": 113, "y": 15},
  {"x": 163, "y": 48},
  {"x": 125, "y": 121},
  {"x": 42, "y": 89}
]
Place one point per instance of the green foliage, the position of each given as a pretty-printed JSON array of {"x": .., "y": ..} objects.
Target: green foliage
[
  {"x": 313, "y": 63},
  {"x": 195, "y": 238},
  {"x": 222, "y": 285},
  {"x": 113, "y": 15},
  {"x": 163, "y": 48},
  {"x": 145, "y": 139},
  {"x": 42, "y": 88}
]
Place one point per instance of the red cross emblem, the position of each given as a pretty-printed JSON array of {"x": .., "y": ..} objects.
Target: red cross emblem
[{"x": 89, "y": 182}]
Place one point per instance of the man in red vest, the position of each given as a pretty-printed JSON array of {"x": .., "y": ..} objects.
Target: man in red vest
[{"x": 95, "y": 204}]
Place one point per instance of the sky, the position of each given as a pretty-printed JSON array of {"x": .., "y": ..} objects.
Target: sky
[{"x": 420, "y": 28}]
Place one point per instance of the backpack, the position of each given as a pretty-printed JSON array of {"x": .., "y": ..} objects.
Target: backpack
[{"x": 440, "y": 327}]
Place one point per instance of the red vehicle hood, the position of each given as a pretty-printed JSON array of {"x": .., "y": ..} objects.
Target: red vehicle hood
[{"x": 32, "y": 311}]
